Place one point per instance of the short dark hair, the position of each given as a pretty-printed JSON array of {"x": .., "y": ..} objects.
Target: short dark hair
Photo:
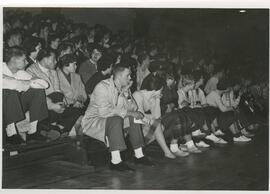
[
  {"x": 104, "y": 63},
  {"x": 142, "y": 57},
  {"x": 63, "y": 46},
  {"x": 30, "y": 44},
  {"x": 66, "y": 59},
  {"x": 131, "y": 62},
  {"x": 93, "y": 46},
  {"x": 155, "y": 66},
  {"x": 43, "y": 53},
  {"x": 53, "y": 37},
  {"x": 223, "y": 84},
  {"x": 13, "y": 52},
  {"x": 152, "y": 82},
  {"x": 120, "y": 67}
]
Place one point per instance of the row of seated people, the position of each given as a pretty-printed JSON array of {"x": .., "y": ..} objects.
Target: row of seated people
[
  {"x": 54, "y": 88},
  {"x": 160, "y": 110}
]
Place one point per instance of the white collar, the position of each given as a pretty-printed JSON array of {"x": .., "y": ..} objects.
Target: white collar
[
  {"x": 6, "y": 70},
  {"x": 147, "y": 94}
]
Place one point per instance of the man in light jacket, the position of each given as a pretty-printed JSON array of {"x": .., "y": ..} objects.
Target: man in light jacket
[{"x": 111, "y": 112}]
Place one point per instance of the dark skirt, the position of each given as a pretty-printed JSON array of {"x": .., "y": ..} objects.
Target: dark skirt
[
  {"x": 196, "y": 116},
  {"x": 175, "y": 124},
  {"x": 226, "y": 119},
  {"x": 210, "y": 114},
  {"x": 243, "y": 119}
]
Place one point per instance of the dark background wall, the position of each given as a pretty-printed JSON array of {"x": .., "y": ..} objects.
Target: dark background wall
[{"x": 114, "y": 19}]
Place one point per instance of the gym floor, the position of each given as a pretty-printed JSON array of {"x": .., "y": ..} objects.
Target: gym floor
[{"x": 220, "y": 167}]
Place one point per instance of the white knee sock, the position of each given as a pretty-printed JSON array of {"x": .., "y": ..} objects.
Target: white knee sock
[
  {"x": 116, "y": 158},
  {"x": 11, "y": 130},
  {"x": 190, "y": 144},
  {"x": 33, "y": 127},
  {"x": 174, "y": 147},
  {"x": 138, "y": 153}
]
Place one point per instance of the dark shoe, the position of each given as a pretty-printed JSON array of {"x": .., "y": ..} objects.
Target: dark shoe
[
  {"x": 15, "y": 140},
  {"x": 122, "y": 166},
  {"x": 36, "y": 137},
  {"x": 51, "y": 135},
  {"x": 48, "y": 127},
  {"x": 144, "y": 161}
]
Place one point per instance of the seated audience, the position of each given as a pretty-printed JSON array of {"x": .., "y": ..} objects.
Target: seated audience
[
  {"x": 61, "y": 115},
  {"x": 154, "y": 123},
  {"x": 226, "y": 117},
  {"x": 196, "y": 115},
  {"x": 44, "y": 98}
]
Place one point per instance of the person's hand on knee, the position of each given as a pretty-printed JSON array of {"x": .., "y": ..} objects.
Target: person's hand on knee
[{"x": 135, "y": 114}]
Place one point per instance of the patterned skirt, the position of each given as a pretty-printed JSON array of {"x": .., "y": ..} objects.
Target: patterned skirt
[{"x": 174, "y": 125}]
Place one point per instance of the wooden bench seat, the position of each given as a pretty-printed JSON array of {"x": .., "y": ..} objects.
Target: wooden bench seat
[{"x": 71, "y": 149}]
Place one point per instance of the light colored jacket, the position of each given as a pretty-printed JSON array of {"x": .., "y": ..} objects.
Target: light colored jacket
[
  {"x": 53, "y": 80},
  {"x": 105, "y": 102},
  {"x": 13, "y": 81},
  {"x": 72, "y": 90}
]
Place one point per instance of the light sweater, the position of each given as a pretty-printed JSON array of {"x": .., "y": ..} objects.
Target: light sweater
[
  {"x": 195, "y": 96},
  {"x": 214, "y": 99}
]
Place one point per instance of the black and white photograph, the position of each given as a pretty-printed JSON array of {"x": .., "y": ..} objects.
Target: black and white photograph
[{"x": 105, "y": 98}]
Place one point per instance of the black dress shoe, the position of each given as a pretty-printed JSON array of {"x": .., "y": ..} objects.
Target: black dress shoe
[
  {"x": 15, "y": 140},
  {"x": 36, "y": 137},
  {"x": 144, "y": 161},
  {"x": 122, "y": 166}
]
